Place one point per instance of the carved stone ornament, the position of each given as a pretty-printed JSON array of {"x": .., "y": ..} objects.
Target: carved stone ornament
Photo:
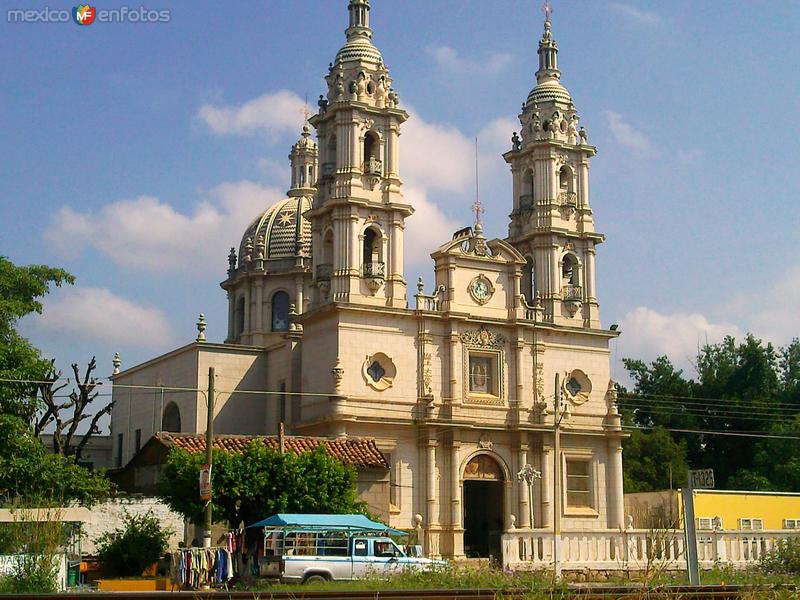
[
  {"x": 483, "y": 337},
  {"x": 481, "y": 289},
  {"x": 484, "y": 442},
  {"x": 539, "y": 381},
  {"x": 338, "y": 373},
  {"x": 427, "y": 375}
]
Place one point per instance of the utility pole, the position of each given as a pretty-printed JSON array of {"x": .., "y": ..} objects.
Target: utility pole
[
  {"x": 209, "y": 454},
  {"x": 559, "y": 413}
]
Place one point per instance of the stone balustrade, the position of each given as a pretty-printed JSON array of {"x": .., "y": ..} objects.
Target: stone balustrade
[{"x": 637, "y": 549}]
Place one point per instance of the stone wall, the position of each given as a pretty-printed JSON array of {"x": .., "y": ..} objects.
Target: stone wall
[{"x": 108, "y": 516}]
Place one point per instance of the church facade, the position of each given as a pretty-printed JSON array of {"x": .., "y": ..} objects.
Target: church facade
[{"x": 457, "y": 383}]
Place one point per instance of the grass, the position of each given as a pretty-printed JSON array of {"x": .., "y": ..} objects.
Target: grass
[{"x": 539, "y": 585}]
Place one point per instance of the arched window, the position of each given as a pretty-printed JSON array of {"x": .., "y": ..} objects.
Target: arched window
[
  {"x": 569, "y": 270},
  {"x": 310, "y": 175},
  {"x": 280, "y": 311},
  {"x": 239, "y": 317},
  {"x": 302, "y": 173},
  {"x": 565, "y": 179},
  {"x": 372, "y": 162},
  {"x": 171, "y": 419},
  {"x": 528, "y": 280},
  {"x": 372, "y": 259},
  {"x": 526, "y": 197}
]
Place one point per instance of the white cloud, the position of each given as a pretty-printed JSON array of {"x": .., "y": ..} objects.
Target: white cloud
[
  {"x": 448, "y": 59},
  {"x": 149, "y": 234},
  {"x": 642, "y": 16},
  {"x": 273, "y": 114},
  {"x": 436, "y": 156},
  {"x": 427, "y": 229},
  {"x": 99, "y": 314},
  {"x": 625, "y": 134}
]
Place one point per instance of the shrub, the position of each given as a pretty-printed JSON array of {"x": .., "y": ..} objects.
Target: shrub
[
  {"x": 784, "y": 559},
  {"x": 130, "y": 549}
]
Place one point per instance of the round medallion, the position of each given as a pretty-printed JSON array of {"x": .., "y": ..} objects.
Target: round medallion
[{"x": 481, "y": 289}]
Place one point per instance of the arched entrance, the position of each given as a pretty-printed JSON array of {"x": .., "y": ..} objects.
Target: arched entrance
[{"x": 483, "y": 507}]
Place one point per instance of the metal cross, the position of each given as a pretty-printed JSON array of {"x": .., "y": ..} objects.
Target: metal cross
[
  {"x": 478, "y": 209},
  {"x": 547, "y": 9}
]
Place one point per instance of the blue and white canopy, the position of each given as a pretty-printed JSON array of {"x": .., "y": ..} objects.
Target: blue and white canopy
[{"x": 329, "y": 522}]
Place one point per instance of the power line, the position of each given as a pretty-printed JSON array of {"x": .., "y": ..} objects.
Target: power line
[{"x": 751, "y": 434}]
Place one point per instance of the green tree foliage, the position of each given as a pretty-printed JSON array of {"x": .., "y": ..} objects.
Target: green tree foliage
[
  {"x": 747, "y": 387},
  {"x": 130, "y": 549},
  {"x": 31, "y": 475},
  {"x": 653, "y": 460},
  {"x": 259, "y": 482},
  {"x": 21, "y": 290}
]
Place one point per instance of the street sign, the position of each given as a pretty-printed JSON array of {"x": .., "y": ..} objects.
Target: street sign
[
  {"x": 205, "y": 482},
  {"x": 701, "y": 479}
]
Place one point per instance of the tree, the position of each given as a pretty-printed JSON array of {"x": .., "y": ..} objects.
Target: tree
[
  {"x": 67, "y": 416},
  {"x": 130, "y": 549},
  {"x": 21, "y": 289},
  {"x": 31, "y": 475},
  {"x": 259, "y": 482},
  {"x": 749, "y": 387},
  {"x": 653, "y": 461}
]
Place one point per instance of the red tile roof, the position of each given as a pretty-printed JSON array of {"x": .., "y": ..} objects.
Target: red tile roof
[{"x": 360, "y": 452}]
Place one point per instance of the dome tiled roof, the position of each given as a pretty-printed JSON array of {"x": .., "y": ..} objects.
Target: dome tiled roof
[
  {"x": 285, "y": 231},
  {"x": 359, "y": 49},
  {"x": 549, "y": 91}
]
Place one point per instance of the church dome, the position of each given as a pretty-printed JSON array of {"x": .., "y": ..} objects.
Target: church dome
[
  {"x": 549, "y": 91},
  {"x": 280, "y": 232},
  {"x": 359, "y": 49}
]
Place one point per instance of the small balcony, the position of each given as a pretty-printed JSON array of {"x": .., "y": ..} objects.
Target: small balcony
[
  {"x": 526, "y": 202},
  {"x": 375, "y": 270},
  {"x": 324, "y": 272},
  {"x": 568, "y": 200},
  {"x": 572, "y": 293},
  {"x": 373, "y": 166}
]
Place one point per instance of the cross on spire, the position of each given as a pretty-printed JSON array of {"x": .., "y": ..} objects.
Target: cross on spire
[
  {"x": 477, "y": 208},
  {"x": 305, "y": 111},
  {"x": 547, "y": 9}
]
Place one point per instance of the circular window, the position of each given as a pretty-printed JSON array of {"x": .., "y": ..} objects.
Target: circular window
[
  {"x": 379, "y": 371},
  {"x": 577, "y": 387}
]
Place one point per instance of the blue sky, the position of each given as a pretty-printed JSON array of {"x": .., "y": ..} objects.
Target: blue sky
[{"x": 135, "y": 154}]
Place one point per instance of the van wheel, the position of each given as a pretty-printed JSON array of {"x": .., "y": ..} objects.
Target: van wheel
[{"x": 315, "y": 579}]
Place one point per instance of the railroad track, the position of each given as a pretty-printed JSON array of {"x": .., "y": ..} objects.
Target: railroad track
[{"x": 577, "y": 593}]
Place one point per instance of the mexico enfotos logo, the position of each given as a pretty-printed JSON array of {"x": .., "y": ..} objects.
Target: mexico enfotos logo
[{"x": 85, "y": 15}]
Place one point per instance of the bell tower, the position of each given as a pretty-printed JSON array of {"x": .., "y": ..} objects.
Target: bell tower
[
  {"x": 359, "y": 213},
  {"x": 551, "y": 222}
]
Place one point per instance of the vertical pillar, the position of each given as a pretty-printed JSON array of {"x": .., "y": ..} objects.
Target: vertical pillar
[
  {"x": 524, "y": 496},
  {"x": 247, "y": 308},
  {"x": 354, "y": 250},
  {"x": 519, "y": 349},
  {"x": 432, "y": 499},
  {"x": 547, "y": 485},
  {"x": 455, "y": 363},
  {"x": 231, "y": 314},
  {"x": 616, "y": 501},
  {"x": 455, "y": 500},
  {"x": 259, "y": 308},
  {"x": 298, "y": 294},
  {"x": 583, "y": 182}
]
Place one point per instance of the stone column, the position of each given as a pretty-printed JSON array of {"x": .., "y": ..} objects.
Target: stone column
[
  {"x": 298, "y": 294},
  {"x": 455, "y": 365},
  {"x": 455, "y": 500},
  {"x": 583, "y": 182},
  {"x": 258, "y": 325},
  {"x": 231, "y": 314},
  {"x": 616, "y": 501},
  {"x": 547, "y": 486},
  {"x": 589, "y": 275},
  {"x": 247, "y": 308},
  {"x": 432, "y": 499},
  {"x": 524, "y": 496}
]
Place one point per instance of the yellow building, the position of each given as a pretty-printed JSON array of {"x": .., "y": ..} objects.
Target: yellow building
[{"x": 717, "y": 509}]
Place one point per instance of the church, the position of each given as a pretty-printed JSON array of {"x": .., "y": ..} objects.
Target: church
[{"x": 502, "y": 364}]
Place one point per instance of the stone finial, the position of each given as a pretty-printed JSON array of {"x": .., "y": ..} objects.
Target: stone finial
[
  {"x": 512, "y": 520},
  {"x": 515, "y": 142},
  {"x": 420, "y": 285},
  {"x": 582, "y": 134},
  {"x": 201, "y": 328},
  {"x": 338, "y": 373},
  {"x": 117, "y": 362},
  {"x": 232, "y": 261}
]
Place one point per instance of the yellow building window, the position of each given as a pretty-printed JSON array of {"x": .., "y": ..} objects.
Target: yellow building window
[
  {"x": 791, "y": 523},
  {"x": 751, "y": 524},
  {"x": 579, "y": 483}
]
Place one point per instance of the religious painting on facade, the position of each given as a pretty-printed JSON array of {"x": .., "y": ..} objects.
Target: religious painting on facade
[
  {"x": 483, "y": 466},
  {"x": 483, "y": 374}
]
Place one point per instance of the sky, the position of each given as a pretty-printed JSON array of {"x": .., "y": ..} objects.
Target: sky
[{"x": 135, "y": 154}]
